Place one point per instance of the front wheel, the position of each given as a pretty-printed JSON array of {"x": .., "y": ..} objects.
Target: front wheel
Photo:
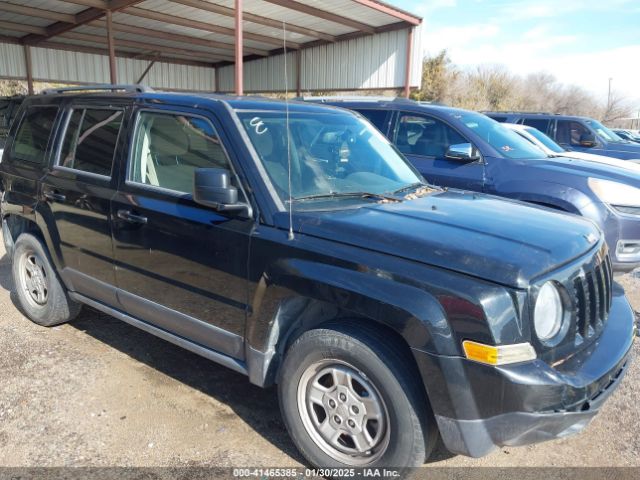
[{"x": 351, "y": 398}]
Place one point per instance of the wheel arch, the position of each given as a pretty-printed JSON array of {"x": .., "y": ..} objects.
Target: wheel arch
[
  {"x": 547, "y": 194},
  {"x": 13, "y": 225},
  {"x": 308, "y": 295}
]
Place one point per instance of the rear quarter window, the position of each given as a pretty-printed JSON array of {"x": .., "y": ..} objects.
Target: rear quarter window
[
  {"x": 90, "y": 140},
  {"x": 377, "y": 117},
  {"x": 33, "y": 134}
]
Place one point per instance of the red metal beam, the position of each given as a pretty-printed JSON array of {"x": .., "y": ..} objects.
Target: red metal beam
[
  {"x": 407, "y": 78},
  {"x": 29, "y": 68},
  {"x": 239, "y": 65},
  {"x": 299, "y": 73},
  {"x": 112, "y": 49},
  {"x": 391, "y": 11}
]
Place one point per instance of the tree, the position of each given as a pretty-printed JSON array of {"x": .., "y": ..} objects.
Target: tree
[
  {"x": 617, "y": 107},
  {"x": 436, "y": 75},
  {"x": 494, "y": 87}
]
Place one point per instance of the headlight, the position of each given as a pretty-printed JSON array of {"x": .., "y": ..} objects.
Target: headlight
[
  {"x": 549, "y": 313},
  {"x": 614, "y": 193}
]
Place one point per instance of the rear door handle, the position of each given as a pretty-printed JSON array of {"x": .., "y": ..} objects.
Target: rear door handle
[
  {"x": 55, "y": 197},
  {"x": 127, "y": 216}
]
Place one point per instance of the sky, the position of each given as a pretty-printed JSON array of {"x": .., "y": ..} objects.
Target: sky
[{"x": 583, "y": 42}]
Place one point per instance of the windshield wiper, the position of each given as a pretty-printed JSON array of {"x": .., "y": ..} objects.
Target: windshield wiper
[
  {"x": 410, "y": 187},
  {"x": 375, "y": 196}
]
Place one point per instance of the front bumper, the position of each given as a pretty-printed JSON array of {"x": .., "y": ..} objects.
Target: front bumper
[
  {"x": 622, "y": 233},
  {"x": 479, "y": 408}
]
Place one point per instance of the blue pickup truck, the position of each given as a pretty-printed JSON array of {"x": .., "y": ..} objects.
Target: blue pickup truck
[{"x": 468, "y": 150}]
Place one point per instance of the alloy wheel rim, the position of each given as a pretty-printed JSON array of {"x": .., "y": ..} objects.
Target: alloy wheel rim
[
  {"x": 343, "y": 412},
  {"x": 33, "y": 279}
]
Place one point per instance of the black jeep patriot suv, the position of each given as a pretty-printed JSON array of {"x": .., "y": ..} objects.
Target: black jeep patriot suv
[{"x": 294, "y": 244}]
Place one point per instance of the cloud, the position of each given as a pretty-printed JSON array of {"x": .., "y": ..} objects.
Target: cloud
[
  {"x": 541, "y": 36},
  {"x": 554, "y": 8},
  {"x": 458, "y": 38},
  {"x": 539, "y": 49},
  {"x": 425, "y": 8}
]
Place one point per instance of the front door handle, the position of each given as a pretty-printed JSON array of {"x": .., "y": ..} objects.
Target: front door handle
[
  {"x": 127, "y": 216},
  {"x": 55, "y": 197}
]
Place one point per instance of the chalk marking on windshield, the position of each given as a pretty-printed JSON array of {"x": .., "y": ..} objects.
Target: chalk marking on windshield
[{"x": 258, "y": 125}]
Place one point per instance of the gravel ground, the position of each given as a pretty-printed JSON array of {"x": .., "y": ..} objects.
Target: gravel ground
[{"x": 98, "y": 392}]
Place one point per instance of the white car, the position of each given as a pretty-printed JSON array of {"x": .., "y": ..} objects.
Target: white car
[{"x": 552, "y": 149}]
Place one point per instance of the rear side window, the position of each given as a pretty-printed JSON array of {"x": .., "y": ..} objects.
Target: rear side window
[
  {"x": 499, "y": 119},
  {"x": 538, "y": 123},
  {"x": 90, "y": 140},
  {"x": 30, "y": 142}
]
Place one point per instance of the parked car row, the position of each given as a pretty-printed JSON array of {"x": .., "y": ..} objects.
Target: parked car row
[
  {"x": 295, "y": 243},
  {"x": 574, "y": 133},
  {"x": 462, "y": 149},
  {"x": 630, "y": 135}
]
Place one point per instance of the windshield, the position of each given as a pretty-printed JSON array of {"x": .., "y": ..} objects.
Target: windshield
[
  {"x": 505, "y": 141},
  {"x": 546, "y": 141},
  {"x": 604, "y": 132},
  {"x": 331, "y": 154}
]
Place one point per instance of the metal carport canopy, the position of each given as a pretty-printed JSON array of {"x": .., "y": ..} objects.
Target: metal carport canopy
[{"x": 222, "y": 36}]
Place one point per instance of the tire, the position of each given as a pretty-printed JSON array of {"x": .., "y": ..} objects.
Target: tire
[
  {"x": 40, "y": 294},
  {"x": 367, "y": 369}
]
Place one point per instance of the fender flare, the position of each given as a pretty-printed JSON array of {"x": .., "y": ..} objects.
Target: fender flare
[
  {"x": 295, "y": 295},
  {"x": 554, "y": 195}
]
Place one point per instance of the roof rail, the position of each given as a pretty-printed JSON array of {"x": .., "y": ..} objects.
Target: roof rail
[
  {"x": 353, "y": 98},
  {"x": 99, "y": 87},
  {"x": 519, "y": 111}
]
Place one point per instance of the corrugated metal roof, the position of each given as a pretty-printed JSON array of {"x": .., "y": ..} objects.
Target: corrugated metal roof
[
  {"x": 156, "y": 25},
  {"x": 53, "y": 5},
  {"x": 357, "y": 60}
]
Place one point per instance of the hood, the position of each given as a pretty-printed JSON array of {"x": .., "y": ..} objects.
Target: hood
[
  {"x": 631, "y": 165},
  {"x": 627, "y": 148},
  {"x": 624, "y": 171},
  {"x": 502, "y": 241}
]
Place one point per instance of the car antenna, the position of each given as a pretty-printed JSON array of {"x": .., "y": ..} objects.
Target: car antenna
[{"x": 286, "y": 107}]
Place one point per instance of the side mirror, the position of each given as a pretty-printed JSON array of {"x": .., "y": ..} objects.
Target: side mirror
[
  {"x": 588, "y": 140},
  {"x": 463, "y": 152},
  {"x": 212, "y": 188}
]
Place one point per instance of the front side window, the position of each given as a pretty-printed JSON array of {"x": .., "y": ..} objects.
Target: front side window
[
  {"x": 325, "y": 154},
  {"x": 90, "y": 140},
  {"x": 30, "y": 142},
  {"x": 425, "y": 136},
  {"x": 169, "y": 147},
  {"x": 570, "y": 132}
]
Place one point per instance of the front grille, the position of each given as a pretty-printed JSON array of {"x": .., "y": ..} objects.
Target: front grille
[{"x": 593, "y": 295}]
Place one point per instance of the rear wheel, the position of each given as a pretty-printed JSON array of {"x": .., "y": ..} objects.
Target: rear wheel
[
  {"x": 351, "y": 399},
  {"x": 40, "y": 294}
]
